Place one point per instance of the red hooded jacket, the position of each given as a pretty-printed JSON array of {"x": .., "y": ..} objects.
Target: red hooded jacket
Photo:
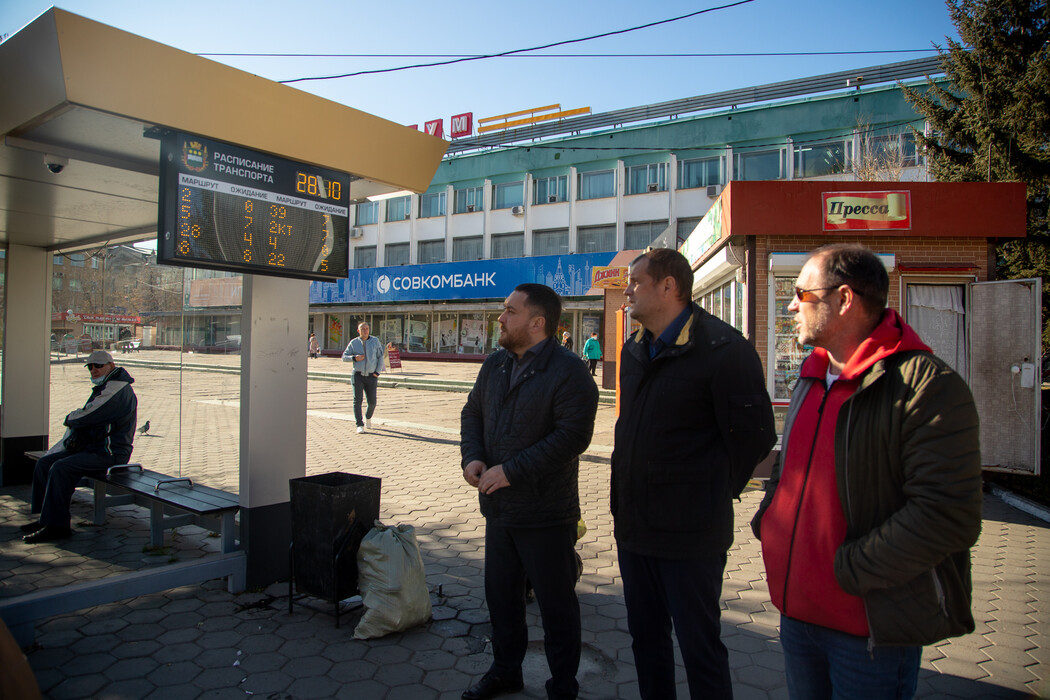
[{"x": 805, "y": 524}]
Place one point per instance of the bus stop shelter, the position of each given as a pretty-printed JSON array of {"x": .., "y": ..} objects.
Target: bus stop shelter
[{"x": 79, "y": 169}]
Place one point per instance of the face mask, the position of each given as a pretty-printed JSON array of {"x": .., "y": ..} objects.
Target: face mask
[{"x": 98, "y": 380}]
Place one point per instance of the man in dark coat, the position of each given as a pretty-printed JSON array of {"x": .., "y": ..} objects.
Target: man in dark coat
[
  {"x": 98, "y": 436},
  {"x": 526, "y": 421},
  {"x": 695, "y": 420}
]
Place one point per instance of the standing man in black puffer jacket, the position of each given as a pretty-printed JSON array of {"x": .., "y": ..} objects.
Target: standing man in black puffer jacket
[{"x": 526, "y": 421}]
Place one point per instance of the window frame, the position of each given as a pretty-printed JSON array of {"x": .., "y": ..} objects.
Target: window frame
[
  {"x": 586, "y": 176},
  {"x": 655, "y": 174}
]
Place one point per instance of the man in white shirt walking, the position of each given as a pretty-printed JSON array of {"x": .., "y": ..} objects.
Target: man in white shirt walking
[{"x": 366, "y": 352}]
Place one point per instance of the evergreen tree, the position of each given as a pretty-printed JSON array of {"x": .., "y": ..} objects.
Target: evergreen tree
[{"x": 992, "y": 122}]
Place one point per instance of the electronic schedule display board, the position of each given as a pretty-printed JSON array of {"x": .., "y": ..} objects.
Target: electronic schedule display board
[{"x": 224, "y": 207}]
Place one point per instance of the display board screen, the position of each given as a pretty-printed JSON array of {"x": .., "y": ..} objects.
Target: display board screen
[{"x": 224, "y": 207}]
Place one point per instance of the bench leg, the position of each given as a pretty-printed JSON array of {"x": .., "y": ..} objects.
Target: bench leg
[
  {"x": 228, "y": 540},
  {"x": 156, "y": 524},
  {"x": 100, "y": 502}
]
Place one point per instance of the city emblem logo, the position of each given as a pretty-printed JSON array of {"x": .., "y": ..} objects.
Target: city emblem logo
[
  {"x": 194, "y": 156},
  {"x": 383, "y": 284}
]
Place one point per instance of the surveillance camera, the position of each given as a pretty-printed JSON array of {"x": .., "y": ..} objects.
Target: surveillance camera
[{"x": 55, "y": 164}]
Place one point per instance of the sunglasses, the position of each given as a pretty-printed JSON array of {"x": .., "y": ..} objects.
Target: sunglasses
[
  {"x": 807, "y": 295},
  {"x": 93, "y": 365}
]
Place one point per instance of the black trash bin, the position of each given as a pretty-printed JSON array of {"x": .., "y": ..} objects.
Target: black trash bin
[{"x": 330, "y": 514}]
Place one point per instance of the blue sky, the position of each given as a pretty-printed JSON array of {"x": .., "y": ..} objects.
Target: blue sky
[{"x": 495, "y": 86}]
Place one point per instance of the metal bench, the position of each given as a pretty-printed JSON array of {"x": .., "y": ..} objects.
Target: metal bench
[
  {"x": 130, "y": 483},
  {"x": 194, "y": 504}
]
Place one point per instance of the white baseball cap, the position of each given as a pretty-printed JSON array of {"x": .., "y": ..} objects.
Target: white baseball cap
[{"x": 99, "y": 357}]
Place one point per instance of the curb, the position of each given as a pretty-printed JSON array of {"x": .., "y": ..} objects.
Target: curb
[{"x": 1021, "y": 503}]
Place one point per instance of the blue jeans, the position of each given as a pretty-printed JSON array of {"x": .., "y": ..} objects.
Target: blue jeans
[{"x": 825, "y": 663}]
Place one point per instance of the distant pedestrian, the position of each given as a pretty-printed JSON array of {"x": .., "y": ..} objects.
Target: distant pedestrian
[
  {"x": 592, "y": 350},
  {"x": 366, "y": 352},
  {"x": 315, "y": 347},
  {"x": 526, "y": 421},
  {"x": 566, "y": 340},
  {"x": 875, "y": 500}
]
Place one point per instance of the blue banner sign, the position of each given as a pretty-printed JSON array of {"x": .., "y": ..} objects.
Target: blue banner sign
[{"x": 568, "y": 275}]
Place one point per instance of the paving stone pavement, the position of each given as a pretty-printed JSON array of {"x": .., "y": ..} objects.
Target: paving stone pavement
[{"x": 201, "y": 641}]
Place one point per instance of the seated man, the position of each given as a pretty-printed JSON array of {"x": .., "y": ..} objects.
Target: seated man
[{"x": 98, "y": 436}]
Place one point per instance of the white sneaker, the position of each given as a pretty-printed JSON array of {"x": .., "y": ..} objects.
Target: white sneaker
[
  {"x": 368, "y": 423},
  {"x": 360, "y": 429}
]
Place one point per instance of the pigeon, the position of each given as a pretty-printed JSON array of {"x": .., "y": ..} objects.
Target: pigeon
[{"x": 145, "y": 428}]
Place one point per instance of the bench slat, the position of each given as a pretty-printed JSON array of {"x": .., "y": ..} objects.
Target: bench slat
[{"x": 198, "y": 499}]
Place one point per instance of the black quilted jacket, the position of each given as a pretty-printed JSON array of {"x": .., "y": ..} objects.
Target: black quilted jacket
[{"x": 536, "y": 429}]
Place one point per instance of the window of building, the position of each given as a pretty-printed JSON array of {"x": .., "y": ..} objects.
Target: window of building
[
  {"x": 431, "y": 204},
  {"x": 726, "y": 301},
  {"x": 75, "y": 285},
  {"x": 470, "y": 248},
  {"x": 685, "y": 228},
  {"x": 56, "y": 282},
  {"x": 364, "y": 256},
  {"x": 446, "y": 332},
  {"x": 647, "y": 178},
  {"x": 398, "y": 208},
  {"x": 547, "y": 190},
  {"x": 699, "y": 172},
  {"x": 639, "y": 234},
  {"x": 508, "y": 194},
  {"x": 367, "y": 213},
  {"x": 824, "y": 158},
  {"x": 788, "y": 353},
  {"x": 890, "y": 152},
  {"x": 396, "y": 254},
  {"x": 418, "y": 332},
  {"x": 596, "y": 239},
  {"x": 760, "y": 165},
  {"x": 430, "y": 251},
  {"x": 508, "y": 245},
  {"x": 57, "y": 260},
  {"x": 469, "y": 199},
  {"x": 76, "y": 259},
  {"x": 597, "y": 184},
  {"x": 552, "y": 242}
]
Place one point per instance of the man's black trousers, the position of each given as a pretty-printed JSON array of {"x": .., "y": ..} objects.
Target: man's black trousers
[{"x": 545, "y": 555}]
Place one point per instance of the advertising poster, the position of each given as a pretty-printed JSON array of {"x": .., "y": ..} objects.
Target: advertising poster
[
  {"x": 472, "y": 336},
  {"x": 418, "y": 336},
  {"x": 447, "y": 338},
  {"x": 390, "y": 330},
  {"x": 335, "y": 333}
]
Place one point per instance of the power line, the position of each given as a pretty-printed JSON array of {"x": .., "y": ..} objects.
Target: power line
[
  {"x": 517, "y": 51},
  {"x": 737, "y": 54}
]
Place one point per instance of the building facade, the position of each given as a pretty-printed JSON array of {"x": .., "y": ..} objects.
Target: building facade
[{"x": 602, "y": 192}]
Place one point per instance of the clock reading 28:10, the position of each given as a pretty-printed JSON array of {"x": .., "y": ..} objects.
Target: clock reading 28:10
[{"x": 316, "y": 186}]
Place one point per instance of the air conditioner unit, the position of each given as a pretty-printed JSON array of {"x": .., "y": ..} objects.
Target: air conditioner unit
[
  {"x": 470, "y": 207},
  {"x": 517, "y": 211},
  {"x": 714, "y": 190},
  {"x": 653, "y": 187},
  {"x": 551, "y": 198},
  {"x": 356, "y": 232}
]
